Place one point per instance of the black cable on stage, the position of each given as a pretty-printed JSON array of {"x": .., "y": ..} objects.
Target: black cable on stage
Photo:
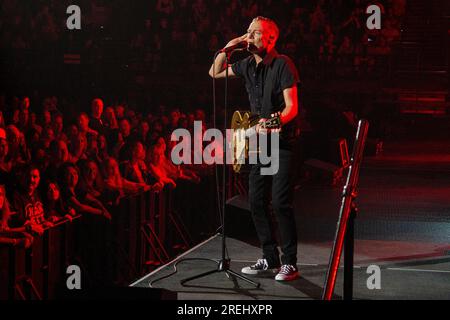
[{"x": 175, "y": 269}]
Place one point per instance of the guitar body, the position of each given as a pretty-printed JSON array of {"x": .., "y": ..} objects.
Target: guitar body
[
  {"x": 241, "y": 120},
  {"x": 240, "y": 123}
]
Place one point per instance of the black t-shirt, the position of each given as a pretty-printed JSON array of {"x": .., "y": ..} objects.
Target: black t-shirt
[
  {"x": 265, "y": 83},
  {"x": 29, "y": 209}
]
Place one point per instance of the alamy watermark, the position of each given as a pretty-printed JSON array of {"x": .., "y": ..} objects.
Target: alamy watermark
[
  {"x": 374, "y": 280},
  {"x": 73, "y": 22},
  {"x": 374, "y": 20},
  {"x": 230, "y": 150},
  {"x": 74, "y": 279}
]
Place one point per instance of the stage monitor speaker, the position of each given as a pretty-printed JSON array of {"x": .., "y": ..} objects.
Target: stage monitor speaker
[
  {"x": 374, "y": 147},
  {"x": 238, "y": 220},
  {"x": 323, "y": 172}
]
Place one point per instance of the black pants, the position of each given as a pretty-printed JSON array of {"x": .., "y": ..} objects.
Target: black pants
[{"x": 282, "y": 198}]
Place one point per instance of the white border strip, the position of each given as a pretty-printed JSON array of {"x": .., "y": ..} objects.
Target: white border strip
[{"x": 177, "y": 258}]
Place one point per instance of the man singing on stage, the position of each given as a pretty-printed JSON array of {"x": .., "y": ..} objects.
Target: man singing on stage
[{"x": 271, "y": 81}]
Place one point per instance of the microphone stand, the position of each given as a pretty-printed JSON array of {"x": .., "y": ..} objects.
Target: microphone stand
[{"x": 223, "y": 265}]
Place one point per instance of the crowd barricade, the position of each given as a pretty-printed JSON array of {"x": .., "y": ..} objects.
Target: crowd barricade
[
  {"x": 36, "y": 272},
  {"x": 146, "y": 230}
]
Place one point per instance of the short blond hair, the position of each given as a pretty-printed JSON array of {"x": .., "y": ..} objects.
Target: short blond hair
[{"x": 272, "y": 25}]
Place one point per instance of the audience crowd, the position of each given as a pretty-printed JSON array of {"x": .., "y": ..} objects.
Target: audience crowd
[{"x": 50, "y": 170}]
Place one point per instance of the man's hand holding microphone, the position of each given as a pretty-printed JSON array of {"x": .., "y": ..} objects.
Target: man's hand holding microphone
[{"x": 239, "y": 43}]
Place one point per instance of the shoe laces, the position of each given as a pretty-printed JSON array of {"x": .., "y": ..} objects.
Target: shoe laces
[
  {"x": 261, "y": 263},
  {"x": 287, "y": 268}
]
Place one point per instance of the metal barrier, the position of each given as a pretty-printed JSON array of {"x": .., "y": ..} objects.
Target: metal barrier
[{"x": 35, "y": 272}]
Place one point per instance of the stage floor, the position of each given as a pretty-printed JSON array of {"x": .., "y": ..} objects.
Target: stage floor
[
  {"x": 403, "y": 227},
  {"x": 419, "y": 278}
]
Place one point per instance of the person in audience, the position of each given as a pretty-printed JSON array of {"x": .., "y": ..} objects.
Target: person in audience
[
  {"x": 91, "y": 181},
  {"x": 5, "y": 163},
  {"x": 2, "y": 120},
  {"x": 39, "y": 157},
  {"x": 33, "y": 137},
  {"x": 78, "y": 147},
  {"x": 54, "y": 205},
  {"x": 102, "y": 146},
  {"x": 125, "y": 129},
  {"x": 34, "y": 123},
  {"x": 115, "y": 143},
  {"x": 12, "y": 236},
  {"x": 46, "y": 118},
  {"x": 92, "y": 150},
  {"x": 60, "y": 153},
  {"x": 175, "y": 116},
  {"x": 120, "y": 112},
  {"x": 83, "y": 124},
  {"x": 143, "y": 133},
  {"x": 82, "y": 204},
  {"x": 58, "y": 127},
  {"x": 157, "y": 130},
  {"x": 25, "y": 103},
  {"x": 24, "y": 123},
  {"x": 115, "y": 182},
  {"x": 164, "y": 169},
  {"x": 110, "y": 119},
  {"x": 27, "y": 203},
  {"x": 133, "y": 119},
  {"x": 72, "y": 133},
  {"x": 135, "y": 169},
  {"x": 157, "y": 170},
  {"x": 47, "y": 136},
  {"x": 4, "y": 210},
  {"x": 96, "y": 122},
  {"x": 18, "y": 152}
]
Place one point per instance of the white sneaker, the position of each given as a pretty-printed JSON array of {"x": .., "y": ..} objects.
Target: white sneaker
[
  {"x": 287, "y": 272},
  {"x": 259, "y": 267}
]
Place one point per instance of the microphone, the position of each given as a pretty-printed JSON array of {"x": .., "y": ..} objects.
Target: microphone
[{"x": 240, "y": 45}]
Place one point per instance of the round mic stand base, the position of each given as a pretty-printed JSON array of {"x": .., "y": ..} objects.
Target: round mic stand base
[{"x": 222, "y": 266}]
